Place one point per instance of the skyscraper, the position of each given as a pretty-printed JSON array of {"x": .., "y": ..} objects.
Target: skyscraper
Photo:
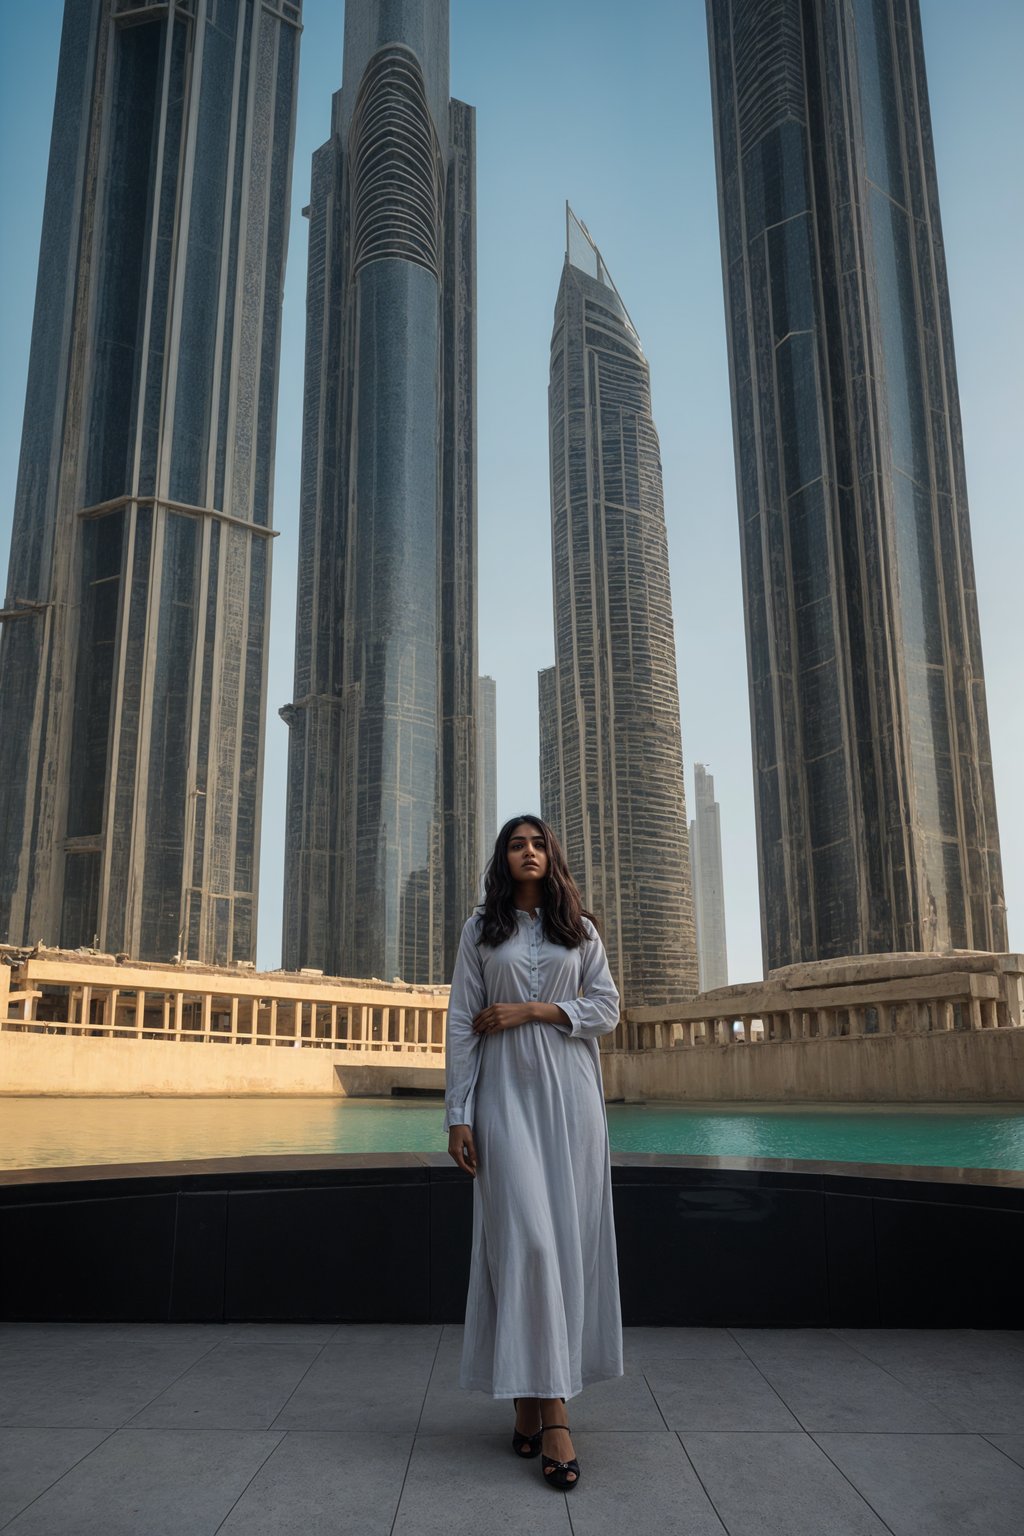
[
  {"x": 611, "y": 755},
  {"x": 708, "y": 891},
  {"x": 873, "y": 781},
  {"x": 132, "y": 673},
  {"x": 381, "y": 856},
  {"x": 487, "y": 764}
]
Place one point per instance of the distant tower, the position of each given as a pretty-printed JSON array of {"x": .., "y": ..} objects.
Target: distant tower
[
  {"x": 708, "y": 893},
  {"x": 381, "y": 857},
  {"x": 487, "y": 761},
  {"x": 132, "y": 676},
  {"x": 611, "y": 756},
  {"x": 873, "y": 781}
]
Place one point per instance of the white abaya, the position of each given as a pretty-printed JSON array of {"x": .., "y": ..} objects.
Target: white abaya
[{"x": 542, "y": 1315}]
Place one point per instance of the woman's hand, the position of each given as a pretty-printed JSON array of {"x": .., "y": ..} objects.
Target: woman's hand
[
  {"x": 511, "y": 1015},
  {"x": 462, "y": 1147},
  {"x": 502, "y": 1016}
]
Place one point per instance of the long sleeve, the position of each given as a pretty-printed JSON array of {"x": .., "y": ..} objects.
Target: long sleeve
[
  {"x": 462, "y": 1046},
  {"x": 596, "y": 1010}
]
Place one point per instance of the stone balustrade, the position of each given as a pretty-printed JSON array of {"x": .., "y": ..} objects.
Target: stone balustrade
[
  {"x": 841, "y": 999},
  {"x": 69, "y": 994}
]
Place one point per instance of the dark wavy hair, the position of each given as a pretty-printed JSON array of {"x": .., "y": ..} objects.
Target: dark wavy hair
[{"x": 562, "y": 906}]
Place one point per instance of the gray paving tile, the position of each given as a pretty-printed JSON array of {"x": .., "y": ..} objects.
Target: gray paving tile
[
  {"x": 156, "y": 1482},
  {"x": 624, "y": 1403},
  {"x": 459, "y": 1486},
  {"x": 1010, "y": 1445},
  {"x": 975, "y": 1378},
  {"x": 275, "y": 1333},
  {"x": 642, "y": 1347},
  {"x": 32, "y": 1459},
  {"x": 448, "y": 1407},
  {"x": 807, "y": 1345},
  {"x": 989, "y": 1398},
  {"x": 89, "y": 1382},
  {"x": 853, "y": 1394},
  {"x": 732, "y": 1395},
  {"x": 966, "y": 1347},
  {"x": 374, "y": 1379},
  {"x": 235, "y": 1386},
  {"x": 623, "y": 1476},
  {"x": 324, "y": 1485},
  {"x": 779, "y": 1485},
  {"x": 933, "y": 1485}
]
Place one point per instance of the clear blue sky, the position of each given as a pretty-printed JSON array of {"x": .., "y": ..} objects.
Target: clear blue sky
[{"x": 607, "y": 104}]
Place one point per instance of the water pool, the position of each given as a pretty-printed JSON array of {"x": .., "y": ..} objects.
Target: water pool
[{"x": 64, "y": 1132}]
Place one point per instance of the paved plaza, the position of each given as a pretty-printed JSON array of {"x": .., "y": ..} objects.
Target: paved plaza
[{"x": 271, "y": 1430}]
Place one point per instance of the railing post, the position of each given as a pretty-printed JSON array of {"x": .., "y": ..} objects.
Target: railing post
[
  {"x": 207, "y": 1014},
  {"x": 234, "y": 1021},
  {"x": 140, "y": 1014}
]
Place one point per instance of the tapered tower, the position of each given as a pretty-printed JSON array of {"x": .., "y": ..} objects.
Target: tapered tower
[{"x": 611, "y": 753}]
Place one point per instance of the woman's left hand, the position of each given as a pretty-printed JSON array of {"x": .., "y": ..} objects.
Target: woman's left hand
[{"x": 502, "y": 1016}]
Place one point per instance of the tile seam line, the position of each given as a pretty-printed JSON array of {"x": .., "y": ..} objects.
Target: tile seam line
[
  {"x": 255, "y": 1473},
  {"x": 863, "y": 1496},
  {"x": 416, "y": 1430},
  {"x": 298, "y": 1384},
  {"x": 770, "y": 1385},
  {"x": 77, "y": 1462},
  {"x": 718, "y": 1515},
  {"x": 987, "y": 1437},
  {"x": 961, "y": 1428},
  {"x": 654, "y": 1399},
  {"x": 127, "y": 1423}
]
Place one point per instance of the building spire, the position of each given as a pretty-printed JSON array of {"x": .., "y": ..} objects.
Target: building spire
[{"x": 583, "y": 253}]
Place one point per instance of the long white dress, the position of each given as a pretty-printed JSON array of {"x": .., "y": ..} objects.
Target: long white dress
[{"x": 542, "y": 1314}]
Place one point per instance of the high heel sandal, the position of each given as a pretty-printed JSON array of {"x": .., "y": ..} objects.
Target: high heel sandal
[
  {"x": 556, "y": 1473},
  {"x": 525, "y": 1446}
]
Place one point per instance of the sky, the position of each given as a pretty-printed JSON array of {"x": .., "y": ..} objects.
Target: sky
[{"x": 607, "y": 105}]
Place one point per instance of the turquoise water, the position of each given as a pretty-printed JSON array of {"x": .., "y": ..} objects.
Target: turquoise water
[{"x": 57, "y": 1132}]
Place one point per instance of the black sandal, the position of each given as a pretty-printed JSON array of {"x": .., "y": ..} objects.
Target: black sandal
[
  {"x": 557, "y": 1472},
  {"x": 525, "y": 1446}
]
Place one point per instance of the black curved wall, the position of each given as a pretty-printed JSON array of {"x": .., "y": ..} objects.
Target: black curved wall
[{"x": 385, "y": 1238}]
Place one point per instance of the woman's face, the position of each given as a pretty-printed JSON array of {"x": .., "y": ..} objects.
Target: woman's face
[{"x": 527, "y": 853}]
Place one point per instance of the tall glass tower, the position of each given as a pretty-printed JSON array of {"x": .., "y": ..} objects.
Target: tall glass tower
[
  {"x": 873, "y": 779},
  {"x": 611, "y": 753},
  {"x": 134, "y": 644},
  {"x": 381, "y": 854}
]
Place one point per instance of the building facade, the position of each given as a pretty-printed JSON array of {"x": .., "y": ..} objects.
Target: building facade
[
  {"x": 873, "y": 780},
  {"x": 381, "y": 855},
  {"x": 133, "y": 654},
  {"x": 610, "y": 748},
  {"x": 708, "y": 887},
  {"x": 487, "y": 765}
]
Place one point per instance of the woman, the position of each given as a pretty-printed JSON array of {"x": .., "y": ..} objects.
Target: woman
[{"x": 530, "y": 994}]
